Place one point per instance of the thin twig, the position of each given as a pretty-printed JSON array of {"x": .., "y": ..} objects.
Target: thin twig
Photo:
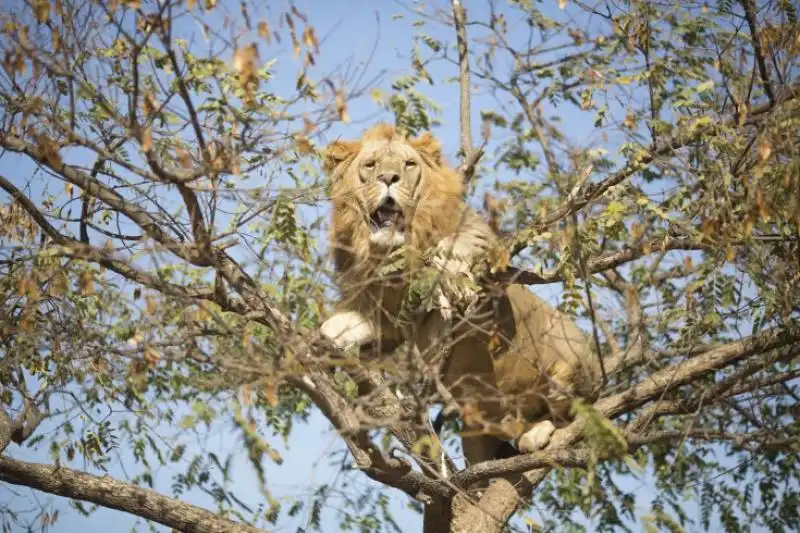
[{"x": 750, "y": 16}]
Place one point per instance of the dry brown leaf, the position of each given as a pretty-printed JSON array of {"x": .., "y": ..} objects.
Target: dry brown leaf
[
  {"x": 748, "y": 226},
  {"x": 58, "y": 285},
  {"x": 184, "y": 158},
  {"x": 42, "y": 8},
  {"x": 271, "y": 392},
  {"x": 25, "y": 323},
  {"x": 763, "y": 208},
  {"x": 637, "y": 230},
  {"x": 22, "y": 286},
  {"x": 22, "y": 35},
  {"x": 308, "y": 124},
  {"x": 86, "y": 283},
  {"x": 708, "y": 227},
  {"x": 201, "y": 314},
  {"x": 303, "y": 145},
  {"x": 246, "y": 395},
  {"x": 310, "y": 38},
  {"x": 48, "y": 150},
  {"x": 150, "y": 305},
  {"x": 743, "y": 110},
  {"x": 151, "y": 356},
  {"x": 764, "y": 150},
  {"x": 341, "y": 106},
  {"x": 100, "y": 366},
  {"x": 147, "y": 139},
  {"x": 264, "y": 31},
  {"x": 149, "y": 104}
]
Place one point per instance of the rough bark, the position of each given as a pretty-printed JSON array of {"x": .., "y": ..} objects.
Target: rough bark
[{"x": 111, "y": 493}]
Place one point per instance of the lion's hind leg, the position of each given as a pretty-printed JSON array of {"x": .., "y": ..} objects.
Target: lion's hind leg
[{"x": 557, "y": 407}]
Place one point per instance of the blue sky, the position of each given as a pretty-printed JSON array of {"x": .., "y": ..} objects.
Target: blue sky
[{"x": 348, "y": 30}]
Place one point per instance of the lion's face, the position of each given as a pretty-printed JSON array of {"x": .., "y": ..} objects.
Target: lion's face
[
  {"x": 388, "y": 190},
  {"x": 389, "y": 179}
]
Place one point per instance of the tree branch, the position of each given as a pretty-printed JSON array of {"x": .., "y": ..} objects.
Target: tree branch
[
  {"x": 592, "y": 191},
  {"x": 600, "y": 264},
  {"x": 635, "y": 349},
  {"x": 504, "y": 499},
  {"x": 368, "y": 457},
  {"x": 111, "y": 493},
  {"x": 673, "y": 376},
  {"x": 470, "y": 156},
  {"x": 750, "y": 16},
  {"x": 69, "y": 247},
  {"x": 6, "y": 429},
  {"x": 110, "y": 197}
]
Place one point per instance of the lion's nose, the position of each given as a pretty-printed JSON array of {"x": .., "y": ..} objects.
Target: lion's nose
[{"x": 389, "y": 178}]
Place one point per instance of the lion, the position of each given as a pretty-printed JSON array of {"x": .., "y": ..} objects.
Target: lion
[{"x": 511, "y": 365}]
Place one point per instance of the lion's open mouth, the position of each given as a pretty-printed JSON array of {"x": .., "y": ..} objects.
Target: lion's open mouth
[{"x": 388, "y": 214}]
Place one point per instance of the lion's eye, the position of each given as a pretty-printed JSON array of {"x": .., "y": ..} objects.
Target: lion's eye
[
  {"x": 411, "y": 163},
  {"x": 369, "y": 164}
]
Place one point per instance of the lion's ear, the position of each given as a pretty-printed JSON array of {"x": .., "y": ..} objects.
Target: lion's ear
[
  {"x": 427, "y": 145},
  {"x": 337, "y": 152}
]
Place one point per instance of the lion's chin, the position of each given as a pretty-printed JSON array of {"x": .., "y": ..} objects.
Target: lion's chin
[{"x": 387, "y": 237}]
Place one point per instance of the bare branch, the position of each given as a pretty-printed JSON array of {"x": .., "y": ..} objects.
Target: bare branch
[
  {"x": 368, "y": 457},
  {"x": 470, "y": 156},
  {"x": 114, "y": 494},
  {"x": 601, "y": 263},
  {"x": 69, "y": 247},
  {"x": 6, "y": 429},
  {"x": 750, "y": 16},
  {"x": 95, "y": 188},
  {"x": 637, "y": 331},
  {"x": 669, "y": 378}
]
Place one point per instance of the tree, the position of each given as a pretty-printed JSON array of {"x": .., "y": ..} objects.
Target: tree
[{"x": 162, "y": 264}]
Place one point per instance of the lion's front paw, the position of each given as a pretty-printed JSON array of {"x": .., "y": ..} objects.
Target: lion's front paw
[
  {"x": 347, "y": 329},
  {"x": 456, "y": 285},
  {"x": 452, "y": 265},
  {"x": 537, "y": 437}
]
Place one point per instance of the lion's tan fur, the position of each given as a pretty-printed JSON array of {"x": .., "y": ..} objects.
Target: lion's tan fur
[
  {"x": 436, "y": 214},
  {"x": 517, "y": 361}
]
